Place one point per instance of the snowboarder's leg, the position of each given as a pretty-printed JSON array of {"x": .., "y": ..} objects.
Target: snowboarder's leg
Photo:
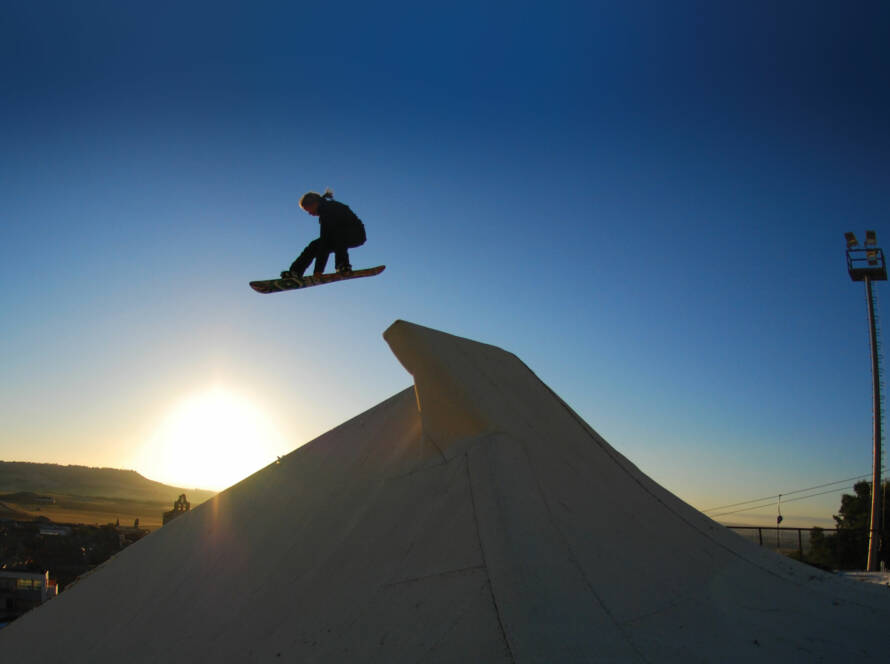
[
  {"x": 341, "y": 258},
  {"x": 298, "y": 267},
  {"x": 321, "y": 257}
]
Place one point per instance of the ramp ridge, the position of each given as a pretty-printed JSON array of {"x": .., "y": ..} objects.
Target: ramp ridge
[{"x": 494, "y": 599}]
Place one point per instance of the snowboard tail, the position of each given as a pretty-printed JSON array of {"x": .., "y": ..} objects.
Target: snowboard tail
[{"x": 277, "y": 285}]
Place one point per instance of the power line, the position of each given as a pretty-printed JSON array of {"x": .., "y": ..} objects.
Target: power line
[
  {"x": 773, "y": 504},
  {"x": 788, "y": 493}
]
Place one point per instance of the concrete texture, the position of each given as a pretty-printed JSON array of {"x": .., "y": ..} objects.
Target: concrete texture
[{"x": 474, "y": 517}]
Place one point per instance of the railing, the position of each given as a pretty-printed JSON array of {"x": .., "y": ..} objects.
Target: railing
[
  {"x": 866, "y": 262},
  {"x": 830, "y": 548}
]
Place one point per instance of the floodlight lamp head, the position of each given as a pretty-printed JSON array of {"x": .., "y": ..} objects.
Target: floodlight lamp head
[
  {"x": 871, "y": 239},
  {"x": 852, "y": 242}
]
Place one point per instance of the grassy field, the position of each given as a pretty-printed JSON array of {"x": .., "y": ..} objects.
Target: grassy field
[
  {"x": 92, "y": 511},
  {"x": 96, "y": 511}
]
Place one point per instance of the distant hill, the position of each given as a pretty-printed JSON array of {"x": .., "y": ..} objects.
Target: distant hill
[{"x": 47, "y": 478}]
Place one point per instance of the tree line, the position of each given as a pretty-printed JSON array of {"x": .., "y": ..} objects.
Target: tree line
[{"x": 847, "y": 547}]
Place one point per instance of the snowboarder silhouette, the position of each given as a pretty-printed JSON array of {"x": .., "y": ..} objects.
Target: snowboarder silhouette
[{"x": 341, "y": 230}]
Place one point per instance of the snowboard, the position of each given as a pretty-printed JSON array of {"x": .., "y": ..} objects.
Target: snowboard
[{"x": 276, "y": 285}]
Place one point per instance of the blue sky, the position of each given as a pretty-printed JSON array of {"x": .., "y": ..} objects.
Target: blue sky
[{"x": 645, "y": 201}]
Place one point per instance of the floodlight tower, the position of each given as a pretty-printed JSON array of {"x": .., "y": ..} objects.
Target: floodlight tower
[{"x": 867, "y": 264}]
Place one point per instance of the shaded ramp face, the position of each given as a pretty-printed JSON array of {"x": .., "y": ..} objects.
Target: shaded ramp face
[
  {"x": 589, "y": 559},
  {"x": 473, "y": 517}
]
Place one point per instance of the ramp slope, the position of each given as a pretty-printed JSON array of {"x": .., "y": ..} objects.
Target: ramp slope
[{"x": 475, "y": 517}]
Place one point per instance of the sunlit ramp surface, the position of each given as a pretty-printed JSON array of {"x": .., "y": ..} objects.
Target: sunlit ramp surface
[{"x": 472, "y": 518}]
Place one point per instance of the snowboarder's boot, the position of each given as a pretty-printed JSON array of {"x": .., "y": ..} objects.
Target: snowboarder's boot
[{"x": 287, "y": 274}]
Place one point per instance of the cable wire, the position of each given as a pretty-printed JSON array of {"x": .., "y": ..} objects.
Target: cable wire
[
  {"x": 788, "y": 493},
  {"x": 772, "y": 504}
]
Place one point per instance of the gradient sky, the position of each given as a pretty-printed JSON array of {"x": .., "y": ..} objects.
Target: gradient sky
[{"x": 643, "y": 200}]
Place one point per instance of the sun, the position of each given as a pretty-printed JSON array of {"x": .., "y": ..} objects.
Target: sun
[{"x": 211, "y": 440}]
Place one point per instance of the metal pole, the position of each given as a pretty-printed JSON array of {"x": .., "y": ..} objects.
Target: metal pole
[{"x": 875, "y": 519}]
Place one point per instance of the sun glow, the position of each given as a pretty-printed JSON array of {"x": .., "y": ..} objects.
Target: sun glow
[{"x": 211, "y": 440}]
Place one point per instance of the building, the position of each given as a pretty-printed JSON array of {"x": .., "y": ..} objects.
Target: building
[
  {"x": 21, "y": 591},
  {"x": 180, "y": 507}
]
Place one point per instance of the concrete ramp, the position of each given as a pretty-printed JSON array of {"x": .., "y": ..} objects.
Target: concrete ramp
[{"x": 473, "y": 517}]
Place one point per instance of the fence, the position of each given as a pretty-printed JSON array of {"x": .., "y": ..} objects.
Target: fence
[{"x": 824, "y": 547}]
